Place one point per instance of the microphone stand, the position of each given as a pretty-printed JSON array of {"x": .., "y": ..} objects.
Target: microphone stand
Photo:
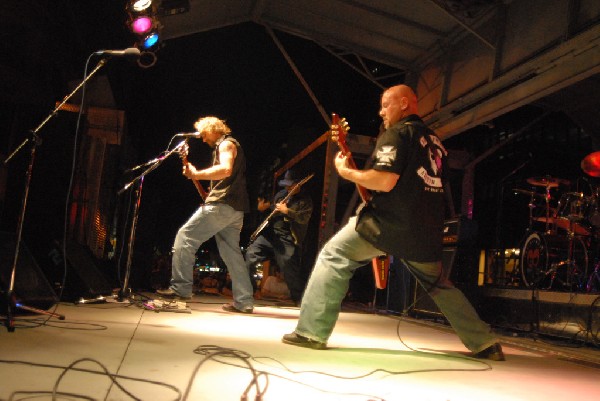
[
  {"x": 125, "y": 291},
  {"x": 12, "y": 304}
]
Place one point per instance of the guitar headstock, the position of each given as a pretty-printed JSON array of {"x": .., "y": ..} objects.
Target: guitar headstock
[
  {"x": 183, "y": 152},
  {"x": 339, "y": 129}
]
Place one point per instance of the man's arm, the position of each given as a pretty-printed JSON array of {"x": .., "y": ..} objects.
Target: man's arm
[
  {"x": 227, "y": 154},
  {"x": 376, "y": 180},
  {"x": 299, "y": 211}
]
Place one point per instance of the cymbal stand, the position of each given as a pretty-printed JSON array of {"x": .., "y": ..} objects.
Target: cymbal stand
[
  {"x": 570, "y": 263},
  {"x": 34, "y": 140},
  {"x": 547, "y": 198},
  {"x": 125, "y": 291},
  {"x": 594, "y": 277}
]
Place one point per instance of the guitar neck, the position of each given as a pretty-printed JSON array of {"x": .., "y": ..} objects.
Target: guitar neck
[
  {"x": 199, "y": 187},
  {"x": 364, "y": 193}
]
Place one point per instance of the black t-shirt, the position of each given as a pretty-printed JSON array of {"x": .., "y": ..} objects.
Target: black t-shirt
[
  {"x": 295, "y": 223},
  {"x": 412, "y": 213}
]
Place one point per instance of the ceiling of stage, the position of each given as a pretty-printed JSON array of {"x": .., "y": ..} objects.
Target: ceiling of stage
[
  {"x": 398, "y": 33},
  {"x": 385, "y": 41}
]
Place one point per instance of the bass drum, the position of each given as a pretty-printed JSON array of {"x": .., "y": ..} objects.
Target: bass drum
[{"x": 545, "y": 261}]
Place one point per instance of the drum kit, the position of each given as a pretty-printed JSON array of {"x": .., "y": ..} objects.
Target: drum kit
[{"x": 562, "y": 241}]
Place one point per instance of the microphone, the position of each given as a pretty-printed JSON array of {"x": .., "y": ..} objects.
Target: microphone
[
  {"x": 129, "y": 52},
  {"x": 190, "y": 134}
]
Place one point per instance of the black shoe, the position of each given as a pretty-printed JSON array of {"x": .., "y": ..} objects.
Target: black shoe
[
  {"x": 493, "y": 353},
  {"x": 171, "y": 294},
  {"x": 300, "y": 341},
  {"x": 231, "y": 308}
]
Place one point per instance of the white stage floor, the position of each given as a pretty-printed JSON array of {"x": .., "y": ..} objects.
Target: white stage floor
[{"x": 123, "y": 351}]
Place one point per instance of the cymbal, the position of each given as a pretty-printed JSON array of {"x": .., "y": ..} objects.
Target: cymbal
[
  {"x": 547, "y": 181},
  {"x": 591, "y": 164},
  {"x": 526, "y": 192}
]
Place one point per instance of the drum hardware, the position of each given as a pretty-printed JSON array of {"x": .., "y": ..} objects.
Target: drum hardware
[
  {"x": 548, "y": 259},
  {"x": 593, "y": 283},
  {"x": 572, "y": 213},
  {"x": 548, "y": 220}
]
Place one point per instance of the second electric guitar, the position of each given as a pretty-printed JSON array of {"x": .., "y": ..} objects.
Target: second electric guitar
[{"x": 380, "y": 264}]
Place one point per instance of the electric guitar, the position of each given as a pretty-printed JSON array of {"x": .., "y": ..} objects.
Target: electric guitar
[
  {"x": 291, "y": 192},
  {"x": 339, "y": 132},
  {"x": 183, "y": 153}
]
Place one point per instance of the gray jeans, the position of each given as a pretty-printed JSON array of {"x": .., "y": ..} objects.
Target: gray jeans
[
  {"x": 224, "y": 223},
  {"x": 328, "y": 284}
]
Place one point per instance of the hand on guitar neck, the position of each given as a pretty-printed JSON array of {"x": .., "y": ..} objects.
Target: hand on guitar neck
[
  {"x": 339, "y": 131},
  {"x": 183, "y": 153}
]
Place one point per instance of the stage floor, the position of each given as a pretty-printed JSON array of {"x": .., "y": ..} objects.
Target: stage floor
[{"x": 123, "y": 351}]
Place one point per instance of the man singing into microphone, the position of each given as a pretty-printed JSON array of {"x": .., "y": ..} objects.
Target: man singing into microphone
[{"x": 221, "y": 216}]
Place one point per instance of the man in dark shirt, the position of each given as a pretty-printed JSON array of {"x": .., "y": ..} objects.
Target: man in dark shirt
[
  {"x": 404, "y": 217},
  {"x": 281, "y": 241},
  {"x": 221, "y": 216}
]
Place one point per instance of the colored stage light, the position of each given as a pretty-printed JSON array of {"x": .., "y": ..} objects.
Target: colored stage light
[
  {"x": 150, "y": 40},
  {"x": 141, "y": 25}
]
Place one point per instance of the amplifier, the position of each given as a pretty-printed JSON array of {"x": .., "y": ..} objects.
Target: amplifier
[{"x": 459, "y": 230}]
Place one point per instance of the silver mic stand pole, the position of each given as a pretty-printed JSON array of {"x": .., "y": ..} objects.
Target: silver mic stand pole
[
  {"x": 125, "y": 291},
  {"x": 11, "y": 299}
]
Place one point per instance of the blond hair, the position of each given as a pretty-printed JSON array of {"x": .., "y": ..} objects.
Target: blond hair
[{"x": 212, "y": 124}]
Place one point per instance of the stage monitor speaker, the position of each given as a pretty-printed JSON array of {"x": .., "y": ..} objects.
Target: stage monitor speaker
[
  {"x": 31, "y": 286},
  {"x": 423, "y": 304},
  {"x": 84, "y": 279}
]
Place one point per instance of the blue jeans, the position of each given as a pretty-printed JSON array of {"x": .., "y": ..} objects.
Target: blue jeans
[
  {"x": 286, "y": 255},
  {"x": 224, "y": 223},
  {"x": 335, "y": 265}
]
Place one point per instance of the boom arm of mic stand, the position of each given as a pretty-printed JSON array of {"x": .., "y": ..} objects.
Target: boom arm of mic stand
[{"x": 53, "y": 113}]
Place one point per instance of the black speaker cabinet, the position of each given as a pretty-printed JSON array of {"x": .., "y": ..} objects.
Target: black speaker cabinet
[
  {"x": 84, "y": 279},
  {"x": 422, "y": 303},
  {"x": 31, "y": 286}
]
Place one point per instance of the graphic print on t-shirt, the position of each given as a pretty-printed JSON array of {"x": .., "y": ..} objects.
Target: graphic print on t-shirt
[
  {"x": 432, "y": 176},
  {"x": 386, "y": 156}
]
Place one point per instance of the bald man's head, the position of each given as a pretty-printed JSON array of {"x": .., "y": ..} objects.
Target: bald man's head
[{"x": 397, "y": 102}]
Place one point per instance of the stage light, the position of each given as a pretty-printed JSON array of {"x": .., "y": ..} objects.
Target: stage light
[
  {"x": 150, "y": 40},
  {"x": 142, "y": 24},
  {"x": 140, "y": 5}
]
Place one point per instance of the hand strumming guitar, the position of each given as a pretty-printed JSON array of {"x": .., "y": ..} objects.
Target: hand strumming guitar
[{"x": 189, "y": 171}]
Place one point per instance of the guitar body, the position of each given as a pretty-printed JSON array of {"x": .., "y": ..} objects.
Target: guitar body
[
  {"x": 183, "y": 152},
  {"x": 380, "y": 264}
]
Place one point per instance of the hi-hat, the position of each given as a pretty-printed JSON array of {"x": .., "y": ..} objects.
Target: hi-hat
[
  {"x": 547, "y": 181},
  {"x": 591, "y": 164}
]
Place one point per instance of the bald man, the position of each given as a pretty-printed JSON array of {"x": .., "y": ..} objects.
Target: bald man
[{"x": 404, "y": 218}]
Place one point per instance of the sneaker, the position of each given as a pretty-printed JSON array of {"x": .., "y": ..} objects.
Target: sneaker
[
  {"x": 493, "y": 353},
  {"x": 231, "y": 308},
  {"x": 300, "y": 341},
  {"x": 170, "y": 293}
]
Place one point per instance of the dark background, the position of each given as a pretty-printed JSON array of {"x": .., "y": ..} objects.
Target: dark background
[{"x": 238, "y": 74}]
